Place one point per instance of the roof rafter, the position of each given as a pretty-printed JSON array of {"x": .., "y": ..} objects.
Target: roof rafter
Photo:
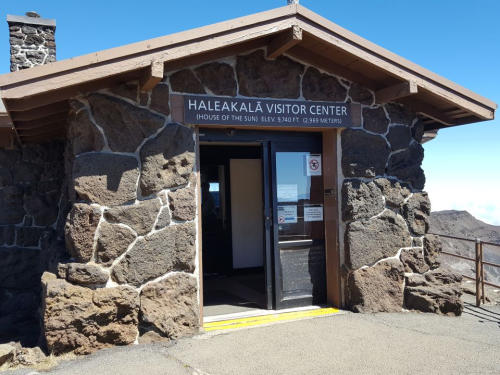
[{"x": 283, "y": 42}]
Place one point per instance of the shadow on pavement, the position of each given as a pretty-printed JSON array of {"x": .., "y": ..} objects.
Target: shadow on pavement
[{"x": 483, "y": 313}]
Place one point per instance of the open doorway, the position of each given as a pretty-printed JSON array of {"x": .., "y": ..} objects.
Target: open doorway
[{"x": 233, "y": 254}]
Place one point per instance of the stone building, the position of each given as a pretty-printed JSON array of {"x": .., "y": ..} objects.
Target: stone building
[{"x": 268, "y": 162}]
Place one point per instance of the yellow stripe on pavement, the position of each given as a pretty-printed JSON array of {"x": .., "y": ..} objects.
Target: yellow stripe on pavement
[{"x": 266, "y": 319}]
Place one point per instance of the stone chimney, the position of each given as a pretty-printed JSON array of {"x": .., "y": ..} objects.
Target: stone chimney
[{"x": 32, "y": 41}]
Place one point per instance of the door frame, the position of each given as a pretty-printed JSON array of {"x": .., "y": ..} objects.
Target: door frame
[{"x": 330, "y": 139}]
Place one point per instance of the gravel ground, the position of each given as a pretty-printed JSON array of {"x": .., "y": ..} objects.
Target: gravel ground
[{"x": 408, "y": 343}]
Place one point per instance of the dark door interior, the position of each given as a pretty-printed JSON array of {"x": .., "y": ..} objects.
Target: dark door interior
[
  {"x": 232, "y": 228},
  {"x": 293, "y": 271}
]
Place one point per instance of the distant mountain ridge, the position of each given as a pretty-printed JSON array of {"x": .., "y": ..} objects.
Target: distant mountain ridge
[{"x": 463, "y": 224}]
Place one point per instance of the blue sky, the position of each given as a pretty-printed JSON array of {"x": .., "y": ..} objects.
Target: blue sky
[{"x": 457, "y": 39}]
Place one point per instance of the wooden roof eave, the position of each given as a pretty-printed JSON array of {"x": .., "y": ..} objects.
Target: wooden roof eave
[{"x": 31, "y": 93}]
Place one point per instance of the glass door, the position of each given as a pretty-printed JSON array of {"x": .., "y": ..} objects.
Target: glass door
[{"x": 299, "y": 231}]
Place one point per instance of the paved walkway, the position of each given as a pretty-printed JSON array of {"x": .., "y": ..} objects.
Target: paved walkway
[{"x": 409, "y": 343}]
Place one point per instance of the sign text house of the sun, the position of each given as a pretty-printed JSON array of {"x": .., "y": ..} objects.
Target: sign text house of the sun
[{"x": 204, "y": 110}]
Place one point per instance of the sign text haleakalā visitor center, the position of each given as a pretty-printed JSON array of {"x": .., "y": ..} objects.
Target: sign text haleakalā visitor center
[{"x": 204, "y": 110}]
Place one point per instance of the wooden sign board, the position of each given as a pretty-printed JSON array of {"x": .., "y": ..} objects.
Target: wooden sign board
[{"x": 219, "y": 111}]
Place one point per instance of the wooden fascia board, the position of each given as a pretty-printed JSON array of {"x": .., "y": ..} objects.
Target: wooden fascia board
[
  {"x": 94, "y": 72},
  {"x": 304, "y": 13},
  {"x": 396, "y": 70},
  {"x": 395, "y": 92},
  {"x": 149, "y": 46},
  {"x": 283, "y": 42},
  {"x": 9, "y": 134}
]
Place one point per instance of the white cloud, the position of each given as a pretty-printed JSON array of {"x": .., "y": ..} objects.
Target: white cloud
[{"x": 481, "y": 201}]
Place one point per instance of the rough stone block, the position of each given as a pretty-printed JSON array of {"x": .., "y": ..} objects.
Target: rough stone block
[
  {"x": 171, "y": 249},
  {"x": 367, "y": 242},
  {"x": 37, "y": 40},
  {"x": 163, "y": 219},
  {"x": 106, "y": 179},
  {"x": 86, "y": 274},
  {"x": 170, "y": 306},
  {"x": 360, "y": 200},
  {"x": 7, "y": 235},
  {"x": 12, "y": 204},
  {"x": 81, "y": 320},
  {"x": 359, "y": 94},
  {"x": 363, "y": 154},
  {"x": 80, "y": 231},
  {"x": 416, "y": 212},
  {"x": 183, "y": 204},
  {"x": 262, "y": 78},
  {"x": 83, "y": 134},
  {"x": 395, "y": 193},
  {"x": 399, "y": 114},
  {"x": 413, "y": 260},
  {"x": 376, "y": 289},
  {"x": 125, "y": 125},
  {"x": 399, "y": 137},
  {"x": 9, "y": 157},
  {"x": 432, "y": 247},
  {"x": 126, "y": 90},
  {"x": 28, "y": 236},
  {"x": 27, "y": 357},
  {"x": 405, "y": 165},
  {"x": 20, "y": 268},
  {"x": 167, "y": 160},
  {"x": 113, "y": 241},
  {"x": 6, "y": 177},
  {"x": 322, "y": 87},
  {"x": 27, "y": 172},
  {"x": 140, "y": 217},
  {"x": 186, "y": 82},
  {"x": 418, "y": 131},
  {"x": 219, "y": 78},
  {"x": 160, "y": 97},
  {"x": 6, "y": 353},
  {"x": 436, "y": 291},
  {"x": 53, "y": 171},
  {"x": 43, "y": 207},
  {"x": 46, "y": 152}
]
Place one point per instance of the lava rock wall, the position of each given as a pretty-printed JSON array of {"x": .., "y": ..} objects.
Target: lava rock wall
[
  {"x": 132, "y": 230},
  {"x": 33, "y": 211}
]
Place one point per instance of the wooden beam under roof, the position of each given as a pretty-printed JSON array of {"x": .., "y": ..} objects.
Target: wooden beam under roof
[
  {"x": 331, "y": 67},
  {"x": 151, "y": 77},
  {"x": 42, "y": 121},
  {"x": 426, "y": 109},
  {"x": 283, "y": 42},
  {"x": 42, "y": 130},
  {"x": 398, "y": 91},
  {"x": 36, "y": 113}
]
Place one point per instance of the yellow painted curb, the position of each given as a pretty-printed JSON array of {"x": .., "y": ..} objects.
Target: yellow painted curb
[{"x": 266, "y": 319}]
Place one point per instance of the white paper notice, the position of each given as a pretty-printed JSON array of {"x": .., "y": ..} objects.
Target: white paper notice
[
  {"x": 287, "y": 214},
  {"x": 287, "y": 193},
  {"x": 313, "y": 213},
  {"x": 313, "y": 166}
]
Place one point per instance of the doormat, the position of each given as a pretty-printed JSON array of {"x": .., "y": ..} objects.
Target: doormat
[
  {"x": 222, "y": 297},
  {"x": 255, "y": 283}
]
